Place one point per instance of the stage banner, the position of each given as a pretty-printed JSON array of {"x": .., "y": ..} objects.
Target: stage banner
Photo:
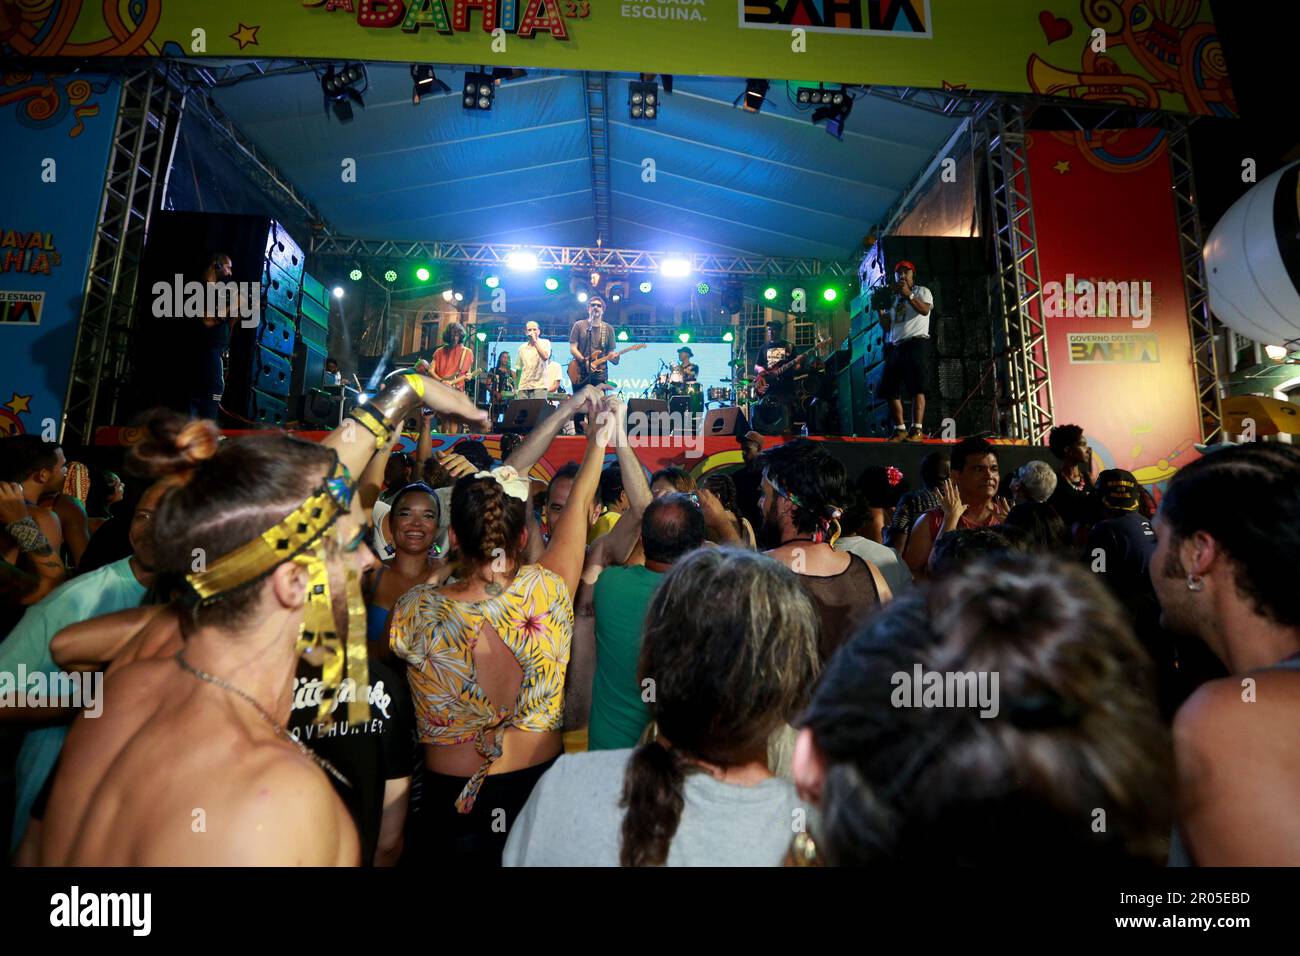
[
  {"x": 1113, "y": 301},
  {"x": 1142, "y": 53},
  {"x": 56, "y": 131}
]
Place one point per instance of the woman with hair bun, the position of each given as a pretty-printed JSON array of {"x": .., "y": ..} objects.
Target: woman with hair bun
[
  {"x": 487, "y": 655},
  {"x": 701, "y": 794},
  {"x": 1055, "y": 718}
]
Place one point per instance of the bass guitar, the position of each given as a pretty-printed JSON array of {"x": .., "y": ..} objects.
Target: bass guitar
[
  {"x": 766, "y": 376},
  {"x": 578, "y": 374}
]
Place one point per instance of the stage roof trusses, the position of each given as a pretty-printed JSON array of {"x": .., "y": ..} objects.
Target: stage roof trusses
[{"x": 595, "y": 259}]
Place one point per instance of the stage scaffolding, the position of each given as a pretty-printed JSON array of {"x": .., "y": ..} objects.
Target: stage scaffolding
[{"x": 148, "y": 120}]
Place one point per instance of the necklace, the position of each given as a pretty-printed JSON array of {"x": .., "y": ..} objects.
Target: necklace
[{"x": 280, "y": 732}]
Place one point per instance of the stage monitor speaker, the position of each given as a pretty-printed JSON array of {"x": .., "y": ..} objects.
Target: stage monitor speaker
[
  {"x": 647, "y": 406},
  {"x": 771, "y": 418},
  {"x": 523, "y": 415},
  {"x": 725, "y": 421}
]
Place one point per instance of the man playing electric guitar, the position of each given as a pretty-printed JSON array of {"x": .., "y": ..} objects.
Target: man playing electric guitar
[{"x": 592, "y": 338}]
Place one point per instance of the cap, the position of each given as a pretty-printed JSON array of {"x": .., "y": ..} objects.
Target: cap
[
  {"x": 1118, "y": 489},
  {"x": 903, "y": 264},
  {"x": 688, "y": 352}
]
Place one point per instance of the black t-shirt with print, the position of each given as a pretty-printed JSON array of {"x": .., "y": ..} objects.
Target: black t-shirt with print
[{"x": 367, "y": 754}]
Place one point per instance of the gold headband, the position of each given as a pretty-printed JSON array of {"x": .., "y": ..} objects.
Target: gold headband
[{"x": 300, "y": 537}]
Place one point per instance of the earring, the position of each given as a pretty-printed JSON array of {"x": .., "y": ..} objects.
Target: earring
[{"x": 1194, "y": 583}]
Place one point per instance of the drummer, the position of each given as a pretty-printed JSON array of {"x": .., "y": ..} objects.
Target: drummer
[{"x": 690, "y": 372}]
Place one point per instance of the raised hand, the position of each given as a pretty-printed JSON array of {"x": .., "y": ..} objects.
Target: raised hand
[
  {"x": 606, "y": 423},
  {"x": 457, "y": 465},
  {"x": 13, "y": 504},
  {"x": 454, "y": 403},
  {"x": 1001, "y": 508},
  {"x": 715, "y": 516},
  {"x": 950, "y": 501}
]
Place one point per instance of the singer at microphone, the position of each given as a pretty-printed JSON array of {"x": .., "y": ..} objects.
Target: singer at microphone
[{"x": 533, "y": 356}]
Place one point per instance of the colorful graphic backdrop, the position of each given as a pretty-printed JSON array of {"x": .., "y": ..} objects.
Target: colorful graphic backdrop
[
  {"x": 1156, "y": 52},
  {"x": 56, "y": 131},
  {"x": 1104, "y": 210}
]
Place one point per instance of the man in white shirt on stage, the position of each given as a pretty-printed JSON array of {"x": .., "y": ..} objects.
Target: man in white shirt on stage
[
  {"x": 907, "y": 354},
  {"x": 534, "y": 355}
]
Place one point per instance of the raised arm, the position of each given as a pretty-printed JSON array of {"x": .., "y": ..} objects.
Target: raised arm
[
  {"x": 617, "y": 546},
  {"x": 32, "y": 542},
  {"x": 531, "y": 450},
  {"x": 564, "y": 555}
]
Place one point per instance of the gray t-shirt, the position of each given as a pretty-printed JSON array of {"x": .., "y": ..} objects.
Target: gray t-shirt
[
  {"x": 573, "y": 818},
  {"x": 896, "y": 574}
]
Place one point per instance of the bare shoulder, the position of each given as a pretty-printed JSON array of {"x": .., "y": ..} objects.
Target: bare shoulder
[
  {"x": 286, "y": 813},
  {"x": 1235, "y": 718}
]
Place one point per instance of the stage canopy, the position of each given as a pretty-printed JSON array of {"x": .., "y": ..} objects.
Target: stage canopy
[{"x": 705, "y": 176}]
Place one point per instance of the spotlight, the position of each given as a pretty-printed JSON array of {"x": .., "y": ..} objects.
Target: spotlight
[
  {"x": 622, "y": 335},
  {"x": 646, "y": 287},
  {"x": 728, "y": 337},
  {"x": 458, "y": 295},
  {"x": 1276, "y": 353},
  {"x": 552, "y": 283},
  {"x": 355, "y": 275},
  {"x": 836, "y": 111},
  {"x": 595, "y": 278},
  {"x": 341, "y": 90},
  {"x": 390, "y": 275},
  {"x": 683, "y": 337},
  {"x": 338, "y": 292},
  {"x": 702, "y": 288},
  {"x": 446, "y": 295},
  {"x": 830, "y": 294},
  {"x": 522, "y": 261},
  {"x": 492, "y": 281},
  {"x": 422, "y": 274},
  {"x": 425, "y": 82},
  {"x": 481, "y": 336},
  {"x": 615, "y": 296},
  {"x": 769, "y": 293},
  {"x": 675, "y": 268},
  {"x": 480, "y": 91},
  {"x": 819, "y": 95},
  {"x": 643, "y": 100},
  {"x": 755, "y": 95},
  {"x": 582, "y": 297}
]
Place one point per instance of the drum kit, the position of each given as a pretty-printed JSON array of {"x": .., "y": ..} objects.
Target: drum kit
[{"x": 670, "y": 386}]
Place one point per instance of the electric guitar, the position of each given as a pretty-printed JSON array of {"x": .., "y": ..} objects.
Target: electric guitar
[
  {"x": 454, "y": 382},
  {"x": 766, "y": 376},
  {"x": 576, "y": 374}
]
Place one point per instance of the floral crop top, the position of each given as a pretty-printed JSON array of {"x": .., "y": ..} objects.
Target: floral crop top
[{"x": 434, "y": 634}]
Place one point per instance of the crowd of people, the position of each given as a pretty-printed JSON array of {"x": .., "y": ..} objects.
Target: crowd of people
[{"x": 341, "y": 653}]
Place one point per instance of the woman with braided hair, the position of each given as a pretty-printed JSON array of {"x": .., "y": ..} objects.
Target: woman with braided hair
[
  {"x": 266, "y": 536},
  {"x": 487, "y": 655}
]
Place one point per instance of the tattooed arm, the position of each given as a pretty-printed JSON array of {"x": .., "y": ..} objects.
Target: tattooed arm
[{"x": 33, "y": 545}]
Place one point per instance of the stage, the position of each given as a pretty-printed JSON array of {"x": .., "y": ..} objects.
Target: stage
[{"x": 698, "y": 455}]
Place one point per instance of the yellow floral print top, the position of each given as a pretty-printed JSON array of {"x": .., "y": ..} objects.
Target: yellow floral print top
[{"x": 435, "y": 634}]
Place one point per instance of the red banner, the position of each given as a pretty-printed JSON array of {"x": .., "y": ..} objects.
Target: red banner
[{"x": 1116, "y": 314}]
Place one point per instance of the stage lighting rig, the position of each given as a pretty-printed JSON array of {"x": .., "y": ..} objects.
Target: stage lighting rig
[
  {"x": 342, "y": 87},
  {"x": 755, "y": 95},
  {"x": 480, "y": 91},
  {"x": 425, "y": 82},
  {"x": 835, "y": 111},
  {"x": 643, "y": 100}
]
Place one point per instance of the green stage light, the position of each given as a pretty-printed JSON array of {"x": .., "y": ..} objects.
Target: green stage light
[
  {"x": 622, "y": 335},
  {"x": 390, "y": 275},
  {"x": 481, "y": 336},
  {"x": 492, "y": 281},
  {"x": 728, "y": 337},
  {"x": 422, "y": 274},
  {"x": 702, "y": 288},
  {"x": 552, "y": 283},
  {"x": 830, "y": 295},
  {"x": 355, "y": 275},
  {"x": 769, "y": 293},
  {"x": 683, "y": 337}
]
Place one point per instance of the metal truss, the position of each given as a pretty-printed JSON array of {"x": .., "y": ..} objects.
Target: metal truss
[
  {"x": 597, "y": 90},
  {"x": 1027, "y": 397},
  {"x": 943, "y": 102},
  {"x": 144, "y": 138},
  {"x": 1201, "y": 322},
  {"x": 597, "y": 259}
]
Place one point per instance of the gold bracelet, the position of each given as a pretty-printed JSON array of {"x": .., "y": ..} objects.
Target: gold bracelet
[
  {"x": 366, "y": 420},
  {"x": 416, "y": 383}
]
